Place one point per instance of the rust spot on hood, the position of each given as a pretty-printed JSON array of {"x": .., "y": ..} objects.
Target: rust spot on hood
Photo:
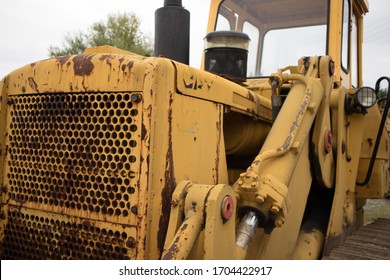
[
  {"x": 33, "y": 84},
  {"x": 126, "y": 68},
  {"x": 106, "y": 56},
  {"x": 130, "y": 65},
  {"x": 63, "y": 59},
  {"x": 82, "y": 65}
]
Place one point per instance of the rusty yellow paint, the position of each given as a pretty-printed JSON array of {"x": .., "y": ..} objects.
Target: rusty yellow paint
[
  {"x": 339, "y": 223},
  {"x": 108, "y": 154},
  {"x": 309, "y": 245},
  {"x": 324, "y": 166},
  {"x": 264, "y": 185},
  {"x": 184, "y": 132},
  {"x": 64, "y": 237},
  {"x": 107, "y": 137},
  {"x": 280, "y": 244},
  {"x": 78, "y": 73},
  {"x": 379, "y": 185},
  {"x": 204, "y": 85},
  {"x": 197, "y": 215}
]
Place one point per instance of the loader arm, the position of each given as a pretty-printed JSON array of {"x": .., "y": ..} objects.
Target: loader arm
[{"x": 271, "y": 200}]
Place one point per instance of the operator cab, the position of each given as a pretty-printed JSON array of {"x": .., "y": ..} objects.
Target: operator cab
[{"x": 281, "y": 32}]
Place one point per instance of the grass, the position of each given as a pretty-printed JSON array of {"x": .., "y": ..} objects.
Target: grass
[{"x": 376, "y": 208}]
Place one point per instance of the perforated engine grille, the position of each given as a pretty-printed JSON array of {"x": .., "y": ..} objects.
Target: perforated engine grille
[
  {"x": 33, "y": 236},
  {"x": 75, "y": 155}
]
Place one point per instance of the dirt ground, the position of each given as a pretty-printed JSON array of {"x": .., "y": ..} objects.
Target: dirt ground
[{"x": 376, "y": 208}]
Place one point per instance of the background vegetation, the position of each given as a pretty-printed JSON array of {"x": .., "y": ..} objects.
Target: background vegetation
[{"x": 120, "y": 30}]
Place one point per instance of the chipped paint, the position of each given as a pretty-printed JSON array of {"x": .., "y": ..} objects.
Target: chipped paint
[
  {"x": 218, "y": 126},
  {"x": 186, "y": 235},
  {"x": 295, "y": 126},
  {"x": 174, "y": 249},
  {"x": 251, "y": 97},
  {"x": 170, "y": 184},
  {"x": 82, "y": 65},
  {"x": 63, "y": 59},
  {"x": 33, "y": 84}
]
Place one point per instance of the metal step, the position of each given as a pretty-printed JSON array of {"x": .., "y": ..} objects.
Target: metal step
[{"x": 370, "y": 242}]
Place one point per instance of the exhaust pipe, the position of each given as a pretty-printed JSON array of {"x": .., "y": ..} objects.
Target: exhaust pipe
[{"x": 172, "y": 32}]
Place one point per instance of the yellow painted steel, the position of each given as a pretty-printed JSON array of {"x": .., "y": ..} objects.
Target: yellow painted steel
[
  {"x": 103, "y": 176},
  {"x": 203, "y": 220},
  {"x": 112, "y": 155},
  {"x": 309, "y": 245},
  {"x": 379, "y": 185}
]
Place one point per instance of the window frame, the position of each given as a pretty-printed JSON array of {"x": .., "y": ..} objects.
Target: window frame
[{"x": 347, "y": 48}]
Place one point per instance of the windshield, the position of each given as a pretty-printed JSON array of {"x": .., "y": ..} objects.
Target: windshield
[{"x": 280, "y": 31}]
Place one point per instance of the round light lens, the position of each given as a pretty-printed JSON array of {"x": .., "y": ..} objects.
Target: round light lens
[{"x": 366, "y": 97}]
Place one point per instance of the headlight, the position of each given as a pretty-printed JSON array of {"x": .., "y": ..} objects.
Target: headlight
[
  {"x": 366, "y": 97},
  {"x": 359, "y": 102}
]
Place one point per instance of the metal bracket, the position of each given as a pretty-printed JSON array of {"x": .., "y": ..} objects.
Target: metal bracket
[{"x": 202, "y": 223}]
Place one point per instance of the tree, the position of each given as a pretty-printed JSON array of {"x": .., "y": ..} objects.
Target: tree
[
  {"x": 120, "y": 30},
  {"x": 382, "y": 94}
]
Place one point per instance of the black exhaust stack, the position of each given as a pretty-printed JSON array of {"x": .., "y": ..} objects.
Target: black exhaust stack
[{"x": 172, "y": 32}]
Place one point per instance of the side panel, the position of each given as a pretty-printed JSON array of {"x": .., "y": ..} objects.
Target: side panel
[
  {"x": 186, "y": 141},
  {"x": 379, "y": 185}
]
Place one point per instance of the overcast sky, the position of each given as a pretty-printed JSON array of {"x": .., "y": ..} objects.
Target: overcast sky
[{"x": 29, "y": 27}]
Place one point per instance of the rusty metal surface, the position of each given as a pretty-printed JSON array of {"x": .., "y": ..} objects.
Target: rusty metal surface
[
  {"x": 76, "y": 154},
  {"x": 170, "y": 184},
  {"x": 198, "y": 228},
  {"x": 205, "y": 85},
  {"x": 72, "y": 170},
  {"x": 370, "y": 242},
  {"x": 32, "y": 234},
  {"x": 75, "y": 73}
]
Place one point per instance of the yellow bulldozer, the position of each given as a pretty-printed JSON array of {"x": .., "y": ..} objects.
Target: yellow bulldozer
[{"x": 268, "y": 151}]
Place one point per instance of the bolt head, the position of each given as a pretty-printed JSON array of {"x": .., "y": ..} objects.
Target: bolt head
[
  {"x": 275, "y": 209},
  {"x": 279, "y": 222},
  {"x": 136, "y": 98},
  {"x": 260, "y": 199},
  {"x": 9, "y": 101}
]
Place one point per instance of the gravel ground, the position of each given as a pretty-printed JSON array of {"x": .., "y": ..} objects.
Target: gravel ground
[{"x": 376, "y": 208}]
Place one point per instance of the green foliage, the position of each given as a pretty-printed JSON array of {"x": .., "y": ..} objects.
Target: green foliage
[
  {"x": 382, "y": 94},
  {"x": 120, "y": 30}
]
